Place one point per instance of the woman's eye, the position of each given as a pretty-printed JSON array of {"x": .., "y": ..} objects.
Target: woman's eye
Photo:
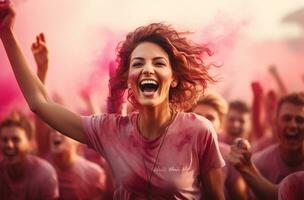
[
  {"x": 136, "y": 64},
  {"x": 160, "y": 64}
]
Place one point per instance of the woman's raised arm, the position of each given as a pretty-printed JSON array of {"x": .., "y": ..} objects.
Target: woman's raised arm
[{"x": 33, "y": 90}]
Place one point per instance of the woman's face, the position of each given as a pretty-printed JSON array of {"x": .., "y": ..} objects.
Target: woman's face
[{"x": 150, "y": 74}]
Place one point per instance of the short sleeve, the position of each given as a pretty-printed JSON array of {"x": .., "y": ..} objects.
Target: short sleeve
[
  {"x": 90, "y": 127},
  {"x": 99, "y": 129},
  {"x": 209, "y": 153},
  {"x": 105, "y": 131}
]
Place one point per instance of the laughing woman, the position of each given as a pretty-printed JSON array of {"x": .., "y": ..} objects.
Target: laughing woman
[{"x": 159, "y": 152}]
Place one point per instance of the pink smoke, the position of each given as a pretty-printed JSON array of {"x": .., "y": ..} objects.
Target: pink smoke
[{"x": 82, "y": 42}]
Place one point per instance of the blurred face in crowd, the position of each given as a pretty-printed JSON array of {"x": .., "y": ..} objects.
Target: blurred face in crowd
[
  {"x": 210, "y": 113},
  {"x": 61, "y": 144},
  {"x": 238, "y": 124},
  {"x": 14, "y": 144},
  {"x": 290, "y": 126}
]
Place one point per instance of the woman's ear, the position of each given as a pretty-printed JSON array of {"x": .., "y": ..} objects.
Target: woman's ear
[{"x": 174, "y": 83}]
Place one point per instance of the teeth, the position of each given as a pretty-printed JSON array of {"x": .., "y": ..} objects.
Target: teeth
[{"x": 148, "y": 82}]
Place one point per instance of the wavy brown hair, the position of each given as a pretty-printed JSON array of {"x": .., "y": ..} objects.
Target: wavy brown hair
[{"x": 185, "y": 58}]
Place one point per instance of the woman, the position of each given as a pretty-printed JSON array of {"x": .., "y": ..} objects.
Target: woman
[{"x": 159, "y": 152}]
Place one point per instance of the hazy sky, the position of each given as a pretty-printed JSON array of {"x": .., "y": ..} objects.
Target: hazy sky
[{"x": 247, "y": 36}]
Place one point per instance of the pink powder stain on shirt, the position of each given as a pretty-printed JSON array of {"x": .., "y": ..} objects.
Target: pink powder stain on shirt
[
  {"x": 172, "y": 175},
  {"x": 186, "y": 140},
  {"x": 193, "y": 117}
]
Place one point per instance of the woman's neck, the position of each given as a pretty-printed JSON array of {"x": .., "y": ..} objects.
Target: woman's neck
[{"x": 152, "y": 122}]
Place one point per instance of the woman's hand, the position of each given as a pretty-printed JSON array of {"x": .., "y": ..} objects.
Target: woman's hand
[{"x": 7, "y": 16}]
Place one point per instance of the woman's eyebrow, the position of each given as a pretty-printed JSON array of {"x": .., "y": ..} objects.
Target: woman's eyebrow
[
  {"x": 160, "y": 58},
  {"x": 137, "y": 58}
]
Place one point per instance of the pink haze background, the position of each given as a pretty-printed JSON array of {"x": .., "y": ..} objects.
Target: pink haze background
[{"x": 82, "y": 38}]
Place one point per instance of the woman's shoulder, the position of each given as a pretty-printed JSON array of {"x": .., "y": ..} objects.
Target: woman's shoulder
[
  {"x": 193, "y": 119},
  {"x": 192, "y": 123}
]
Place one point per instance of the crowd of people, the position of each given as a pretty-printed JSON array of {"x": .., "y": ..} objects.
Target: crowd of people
[{"x": 172, "y": 139}]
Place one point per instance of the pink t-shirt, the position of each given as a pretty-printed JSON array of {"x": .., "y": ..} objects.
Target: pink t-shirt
[
  {"x": 84, "y": 180},
  {"x": 271, "y": 165},
  {"x": 40, "y": 182},
  {"x": 292, "y": 187},
  {"x": 263, "y": 143},
  {"x": 187, "y": 151}
]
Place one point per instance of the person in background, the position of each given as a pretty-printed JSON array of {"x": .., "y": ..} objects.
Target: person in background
[
  {"x": 78, "y": 178},
  {"x": 238, "y": 122},
  {"x": 263, "y": 115},
  {"x": 271, "y": 165},
  {"x": 264, "y": 110},
  {"x": 22, "y": 175},
  {"x": 214, "y": 107}
]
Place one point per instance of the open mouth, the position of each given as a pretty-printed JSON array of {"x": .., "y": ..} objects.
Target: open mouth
[
  {"x": 10, "y": 153},
  {"x": 148, "y": 85},
  {"x": 292, "y": 135}
]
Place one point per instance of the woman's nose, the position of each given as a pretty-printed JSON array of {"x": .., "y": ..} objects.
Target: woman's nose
[{"x": 148, "y": 69}]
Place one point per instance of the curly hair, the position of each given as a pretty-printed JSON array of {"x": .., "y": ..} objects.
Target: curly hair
[{"x": 185, "y": 58}]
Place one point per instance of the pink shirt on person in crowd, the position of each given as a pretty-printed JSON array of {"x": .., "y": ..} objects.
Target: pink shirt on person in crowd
[
  {"x": 95, "y": 157},
  {"x": 224, "y": 149},
  {"x": 187, "y": 150},
  {"x": 271, "y": 165},
  {"x": 39, "y": 182},
  {"x": 263, "y": 143},
  {"x": 84, "y": 180},
  {"x": 292, "y": 187},
  {"x": 229, "y": 173}
]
